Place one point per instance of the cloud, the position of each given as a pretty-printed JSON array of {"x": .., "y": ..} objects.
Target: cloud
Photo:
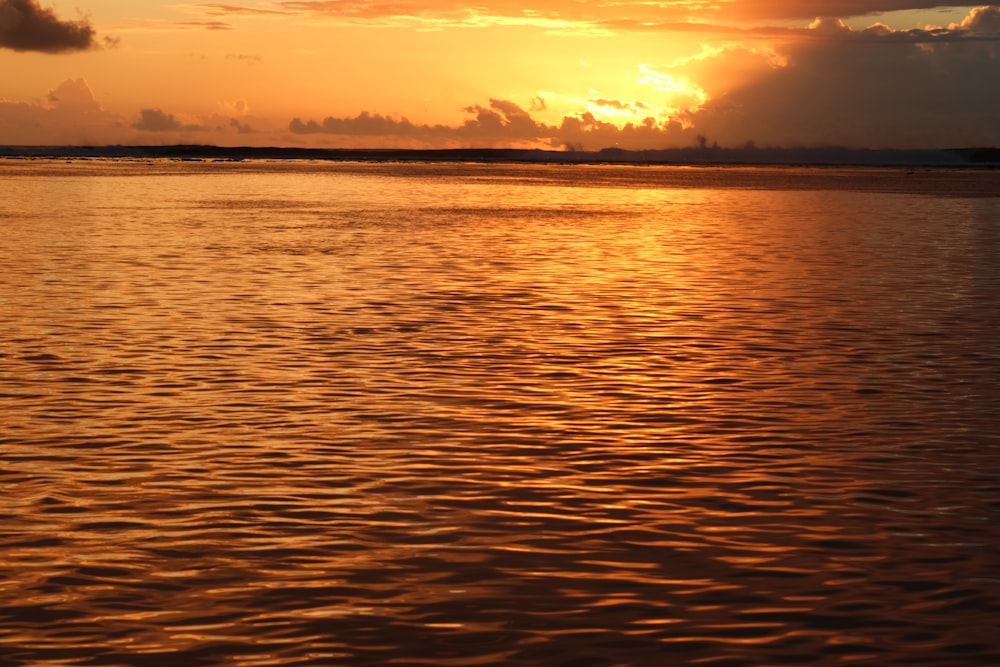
[
  {"x": 500, "y": 124},
  {"x": 809, "y": 9},
  {"x": 25, "y": 26},
  {"x": 216, "y": 127},
  {"x": 155, "y": 120},
  {"x": 240, "y": 127},
  {"x": 980, "y": 25},
  {"x": 619, "y": 105},
  {"x": 571, "y": 15},
  {"x": 364, "y": 124},
  {"x": 248, "y": 58},
  {"x": 981, "y": 22},
  {"x": 206, "y": 25},
  {"x": 69, "y": 114},
  {"x": 739, "y": 19},
  {"x": 868, "y": 88},
  {"x": 234, "y": 108},
  {"x": 216, "y": 9},
  {"x": 73, "y": 95}
]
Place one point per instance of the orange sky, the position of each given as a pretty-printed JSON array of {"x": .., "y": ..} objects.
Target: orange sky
[{"x": 876, "y": 73}]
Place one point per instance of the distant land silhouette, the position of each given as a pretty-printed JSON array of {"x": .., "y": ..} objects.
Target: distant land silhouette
[{"x": 700, "y": 155}]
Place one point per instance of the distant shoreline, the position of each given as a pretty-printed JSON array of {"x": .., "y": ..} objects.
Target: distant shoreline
[{"x": 704, "y": 156}]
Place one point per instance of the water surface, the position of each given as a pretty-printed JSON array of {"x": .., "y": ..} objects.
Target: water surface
[{"x": 291, "y": 413}]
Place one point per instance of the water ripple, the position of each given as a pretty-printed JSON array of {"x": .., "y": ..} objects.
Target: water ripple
[{"x": 293, "y": 414}]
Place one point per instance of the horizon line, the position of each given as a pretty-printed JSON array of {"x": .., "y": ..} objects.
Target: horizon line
[{"x": 985, "y": 156}]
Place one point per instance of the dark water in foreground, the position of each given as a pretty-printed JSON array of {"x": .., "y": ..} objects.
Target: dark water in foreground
[{"x": 334, "y": 414}]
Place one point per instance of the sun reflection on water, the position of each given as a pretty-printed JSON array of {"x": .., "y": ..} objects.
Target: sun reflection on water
[{"x": 282, "y": 413}]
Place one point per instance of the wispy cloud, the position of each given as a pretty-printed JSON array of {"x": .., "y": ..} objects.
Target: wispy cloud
[
  {"x": 574, "y": 16},
  {"x": 247, "y": 58},
  {"x": 217, "y": 9},
  {"x": 205, "y": 25}
]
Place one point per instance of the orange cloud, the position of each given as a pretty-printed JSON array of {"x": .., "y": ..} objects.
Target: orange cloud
[
  {"x": 215, "y": 9},
  {"x": 73, "y": 95},
  {"x": 640, "y": 15},
  {"x": 70, "y": 114},
  {"x": 207, "y": 25},
  {"x": 981, "y": 21}
]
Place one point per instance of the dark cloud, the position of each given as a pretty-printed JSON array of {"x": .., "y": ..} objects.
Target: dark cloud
[
  {"x": 25, "y": 26},
  {"x": 981, "y": 25},
  {"x": 155, "y": 120},
  {"x": 869, "y": 88},
  {"x": 809, "y": 9},
  {"x": 364, "y": 124},
  {"x": 503, "y": 120},
  {"x": 240, "y": 127},
  {"x": 501, "y": 124}
]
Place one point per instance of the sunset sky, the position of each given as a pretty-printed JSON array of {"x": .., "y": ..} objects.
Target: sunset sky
[{"x": 436, "y": 73}]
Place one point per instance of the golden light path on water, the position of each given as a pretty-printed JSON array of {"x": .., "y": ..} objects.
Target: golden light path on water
[{"x": 291, "y": 413}]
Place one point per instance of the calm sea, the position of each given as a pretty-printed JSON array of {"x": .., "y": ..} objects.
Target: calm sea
[{"x": 296, "y": 413}]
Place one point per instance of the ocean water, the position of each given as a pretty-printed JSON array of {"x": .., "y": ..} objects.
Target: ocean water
[{"x": 305, "y": 413}]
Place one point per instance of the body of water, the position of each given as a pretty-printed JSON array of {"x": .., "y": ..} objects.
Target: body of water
[{"x": 296, "y": 413}]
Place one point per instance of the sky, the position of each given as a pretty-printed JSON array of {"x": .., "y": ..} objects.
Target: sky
[{"x": 632, "y": 74}]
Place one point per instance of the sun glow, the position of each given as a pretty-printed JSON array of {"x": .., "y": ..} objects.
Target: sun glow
[
  {"x": 320, "y": 73},
  {"x": 680, "y": 97},
  {"x": 680, "y": 87}
]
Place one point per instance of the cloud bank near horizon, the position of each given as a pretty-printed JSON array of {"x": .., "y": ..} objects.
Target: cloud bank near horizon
[
  {"x": 26, "y": 26},
  {"x": 500, "y": 124}
]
